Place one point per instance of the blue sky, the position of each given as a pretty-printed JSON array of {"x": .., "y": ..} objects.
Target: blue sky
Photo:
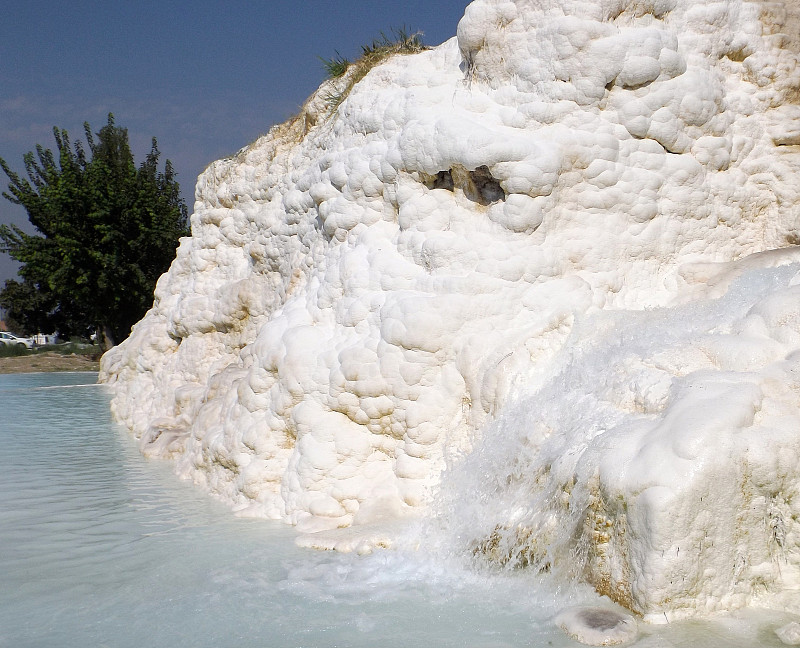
[{"x": 203, "y": 77}]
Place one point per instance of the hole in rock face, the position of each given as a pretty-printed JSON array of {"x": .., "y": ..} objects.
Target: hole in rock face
[
  {"x": 737, "y": 57},
  {"x": 638, "y": 10},
  {"x": 488, "y": 188},
  {"x": 478, "y": 185},
  {"x": 443, "y": 180}
]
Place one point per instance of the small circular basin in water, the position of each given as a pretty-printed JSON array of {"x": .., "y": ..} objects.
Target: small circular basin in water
[{"x": 597, "y": 626}]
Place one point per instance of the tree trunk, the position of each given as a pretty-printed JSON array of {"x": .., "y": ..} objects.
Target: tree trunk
[{"x": 106, "y": 337}]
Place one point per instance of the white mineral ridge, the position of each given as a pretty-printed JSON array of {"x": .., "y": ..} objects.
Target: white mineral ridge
[{"x": 531, "y": 253}]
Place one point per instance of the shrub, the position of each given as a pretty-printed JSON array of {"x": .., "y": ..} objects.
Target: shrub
[
  {"x": 12, "y": 350},
  {"x": 72, "y": 348}
]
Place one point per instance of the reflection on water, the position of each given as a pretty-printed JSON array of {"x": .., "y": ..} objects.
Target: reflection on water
[{"x": 100, "y": 547}]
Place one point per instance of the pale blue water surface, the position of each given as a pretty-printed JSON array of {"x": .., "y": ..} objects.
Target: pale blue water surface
[{"x": 102, "y": 547}]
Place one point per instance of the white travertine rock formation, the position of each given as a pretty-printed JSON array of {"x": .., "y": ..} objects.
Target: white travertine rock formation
[{"x": 367, "y": 288}]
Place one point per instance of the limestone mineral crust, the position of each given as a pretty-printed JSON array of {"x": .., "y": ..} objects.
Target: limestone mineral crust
[{"x": 374, "y": 288}]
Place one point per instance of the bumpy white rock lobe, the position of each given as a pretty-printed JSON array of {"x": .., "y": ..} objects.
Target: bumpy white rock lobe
[
  {"x": 659, "y": 459},
  {"x": 363, "y": 290}
]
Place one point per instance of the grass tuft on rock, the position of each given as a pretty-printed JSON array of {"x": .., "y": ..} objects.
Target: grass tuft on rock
[
  {"x": 399, "y": 41},
  {"x": 335, "y": 66}
]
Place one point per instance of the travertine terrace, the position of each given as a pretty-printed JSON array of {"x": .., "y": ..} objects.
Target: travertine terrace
[{"x": 370, "y": 291}]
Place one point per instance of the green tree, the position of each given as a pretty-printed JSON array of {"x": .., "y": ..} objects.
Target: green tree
[{"x": 106, "y": 231}]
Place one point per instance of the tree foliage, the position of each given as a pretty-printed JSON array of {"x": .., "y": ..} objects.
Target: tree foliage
[{"x": 106, "y": 231}]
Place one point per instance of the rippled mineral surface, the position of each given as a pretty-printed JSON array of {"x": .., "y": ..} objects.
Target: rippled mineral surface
[{"x": 539, "y": 282}]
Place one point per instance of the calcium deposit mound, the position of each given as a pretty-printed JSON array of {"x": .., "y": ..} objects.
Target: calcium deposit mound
[{"x": 538, "y": 217}]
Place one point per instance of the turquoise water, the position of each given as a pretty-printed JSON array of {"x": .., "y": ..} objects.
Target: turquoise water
[{"x": 101, "y": 547}]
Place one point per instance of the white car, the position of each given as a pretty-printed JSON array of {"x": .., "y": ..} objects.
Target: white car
[{"x": 13, "y": 340}]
